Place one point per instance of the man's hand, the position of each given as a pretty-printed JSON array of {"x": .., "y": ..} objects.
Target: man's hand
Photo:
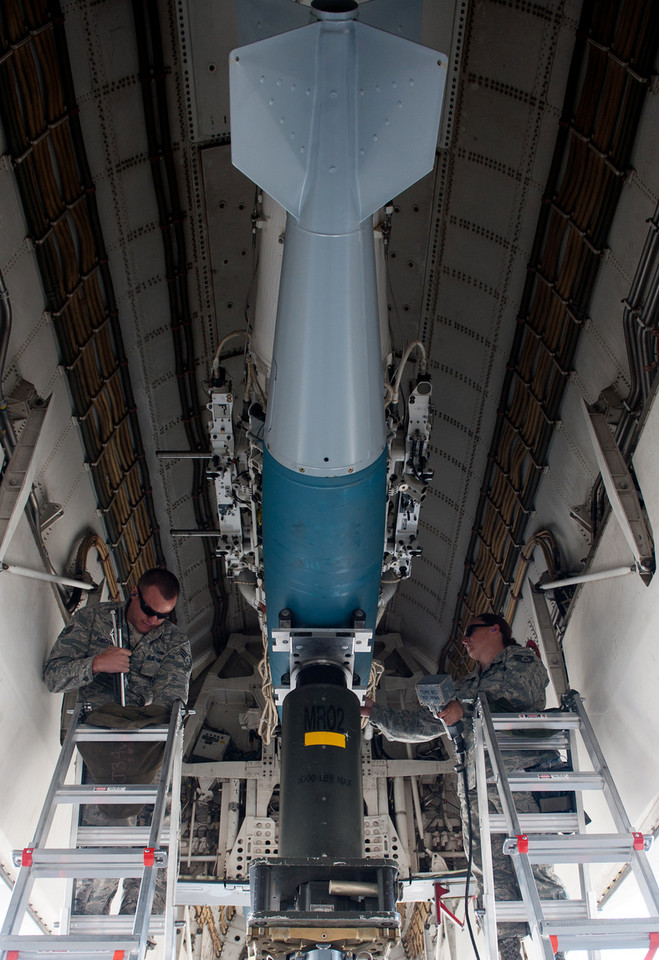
[
  {"x": 452, "y": 713},
  {"x": 365, "y": 711},
  {"x": 112, "y": 660}
]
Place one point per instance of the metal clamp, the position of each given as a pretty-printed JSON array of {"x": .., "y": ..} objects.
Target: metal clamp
[{"x": 320, "y": 646}]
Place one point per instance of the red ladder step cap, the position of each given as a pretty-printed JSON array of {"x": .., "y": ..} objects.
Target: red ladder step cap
[{"x": 522, "y": 843}]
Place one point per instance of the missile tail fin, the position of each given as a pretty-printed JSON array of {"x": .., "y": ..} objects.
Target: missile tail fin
[
  {"x": 400, "y": 89},
  {"x": 284, "y": 91},
  {"x": 271, "y": 84}
]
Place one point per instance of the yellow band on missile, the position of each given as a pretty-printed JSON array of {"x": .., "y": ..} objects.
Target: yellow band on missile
[{"x": 324, "y": 738}]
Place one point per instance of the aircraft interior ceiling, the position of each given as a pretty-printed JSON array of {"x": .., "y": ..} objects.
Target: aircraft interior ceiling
[{"x": 526, "y": 263}]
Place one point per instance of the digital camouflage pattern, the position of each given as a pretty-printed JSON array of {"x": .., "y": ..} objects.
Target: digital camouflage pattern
[
  {"x": 159, "y": 666},
  {"x": 514, "y": 682},
  {"x": 95, "y": 897}
]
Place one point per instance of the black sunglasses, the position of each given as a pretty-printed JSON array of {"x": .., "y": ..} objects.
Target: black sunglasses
[
  {"x": 474, "y": 626},
  {"x": 149, "y": 611}
]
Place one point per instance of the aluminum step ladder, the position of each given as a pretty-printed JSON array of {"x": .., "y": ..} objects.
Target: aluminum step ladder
[
  {"x": 103, "y": 852},
  {"x": 556, "y": 837}
]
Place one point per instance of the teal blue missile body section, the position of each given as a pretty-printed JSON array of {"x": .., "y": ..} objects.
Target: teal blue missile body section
[{"x": 322, "y": 549}]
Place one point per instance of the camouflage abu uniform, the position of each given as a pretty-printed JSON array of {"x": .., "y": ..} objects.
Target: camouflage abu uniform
[
  {"x": 160, "y": 667},
  {"x": 514, "y": 682},
  {"x": 160, "y": 663}
]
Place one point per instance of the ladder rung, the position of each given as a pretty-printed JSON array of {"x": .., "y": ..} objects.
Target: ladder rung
[
  {"x": 578, "y": 848},
  {"x": 514, "y": 910},
  {"x": 81, "y": 872},
  {"x": 107, "y": 793},
  {"x": 32, "y": 947},
  {"x": 550, "y": 781},
  {"x": 601, "y": 934},
  {"x": 542, "y": 721},
  {"x": 89, "y": 863},
  {"x": 120, "y": 836},
  {"x": 118, "y": 924},
  {"x": 537, "y": 822},
  {"x": 89, "y": 734},
  {"x": 555, "y": 741}
]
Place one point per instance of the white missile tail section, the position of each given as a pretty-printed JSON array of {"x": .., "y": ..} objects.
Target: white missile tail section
[
  {"x": 331, "y": 105},
  {"x": 318, "y": 118}
]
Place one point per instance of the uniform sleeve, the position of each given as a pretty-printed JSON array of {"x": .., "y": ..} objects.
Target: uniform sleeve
[
  {"x": 409, "y": 726},
  {"x": 173, "y": 677},
  {"x": 69, "y": 664},
  {"x": 464, "y": 688}
]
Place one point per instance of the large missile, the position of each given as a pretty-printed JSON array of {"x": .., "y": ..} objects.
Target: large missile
[{"x": 332, "y": 120}]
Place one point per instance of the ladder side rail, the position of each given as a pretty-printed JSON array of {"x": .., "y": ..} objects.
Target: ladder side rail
[
  {"x": 165, "y": 774},
  {"x": 173, "y": 845},
  {"x": 150, "y": 875},
  {"x": 65, "y": 912},
  {"x": 19, "y": 896},
  {"x": 59, "y": 775},
  {"x": 645, "y": 877},
  {"x": 489, "y": 900},
  {"x": 25, "y": 879},
  {"x": 584, "y": 870},
  {"x": 521, "y": 862},
  {"x": 585, "y": 882},
  {"x": 143, "y": 911}
]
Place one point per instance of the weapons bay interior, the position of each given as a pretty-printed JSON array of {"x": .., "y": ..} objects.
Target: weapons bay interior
[{"x": 514, "y": 334}]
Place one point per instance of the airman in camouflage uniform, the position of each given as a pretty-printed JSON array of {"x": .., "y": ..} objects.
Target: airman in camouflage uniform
[
  {"x": 513, "y": 680},
  {"x": 155, "y": 661}
]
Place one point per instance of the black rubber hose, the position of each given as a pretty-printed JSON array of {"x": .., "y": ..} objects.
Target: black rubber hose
[{"x": 461, "y": 767}]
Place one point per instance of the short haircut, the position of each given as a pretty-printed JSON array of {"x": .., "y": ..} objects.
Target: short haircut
[
  {"x": 164, "y": 580},
  {"x": 493, "y": 620}
]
